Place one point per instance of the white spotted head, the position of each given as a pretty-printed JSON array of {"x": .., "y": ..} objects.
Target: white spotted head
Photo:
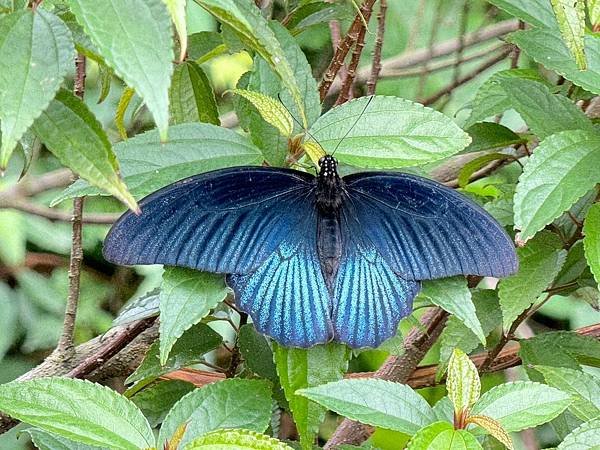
[{"x": 328, "y": 167}]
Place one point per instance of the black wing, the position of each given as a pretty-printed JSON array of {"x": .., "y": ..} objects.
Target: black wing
[
  {"x": 224, "y": 221},
  {"x": 425, "y": 230}
]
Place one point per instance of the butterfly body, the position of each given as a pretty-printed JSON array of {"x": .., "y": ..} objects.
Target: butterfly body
[{"x": 314, "y": 259}]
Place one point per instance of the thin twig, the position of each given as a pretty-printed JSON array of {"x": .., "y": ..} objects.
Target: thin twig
[
  {"x": 464, "y": 19},
  {"x": 66, "y": 346},
  {"x": 514, "y": 59},
  {"x": 376, "y": 65},
  {"x": 344, "y": 47},
  {"x": 236, "y": 356},
  {"x": 437, "y": 14},
  {"x": 22, "y": 204}
]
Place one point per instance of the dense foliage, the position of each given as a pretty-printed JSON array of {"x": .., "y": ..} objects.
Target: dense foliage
[{"x": 110, "y": 101}]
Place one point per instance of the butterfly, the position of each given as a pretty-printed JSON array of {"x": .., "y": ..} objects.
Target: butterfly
[{"x": 316, "y": 258}]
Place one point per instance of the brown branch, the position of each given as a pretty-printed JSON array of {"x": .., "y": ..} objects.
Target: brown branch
[
  {"x": 344, "y": 47},
  {"x": 461, "y": 40},
  {"x": 437, "y": 14},
  {"x": 22, "y": 204},
  {"x": 395, "y": 368},
  {"x": 376, "y": 65}
]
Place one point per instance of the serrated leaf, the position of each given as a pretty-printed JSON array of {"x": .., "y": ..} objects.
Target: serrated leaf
[
  {"x": 591, "y": 240},
  {"x": 192, "y": 148},
  {"x": 574, "y": 265},
  {"x": 522, "y": 404},
  {"x": 272, "y": 111},
  {"x": 314, "y": 151},
  {"x": 205, "y": 45},
  {"x": 475, "y": 164},
  {"x": 143, "y": 52},
  {"x": 314, "y": 13},
  {"x": 490, "y": 135},
  {"x": 156, "y": 400},
  {"x": 593, "y": 7},
  {"x": 186, "y": 297},
  {"x": 74, "y": 135},
  {"x": 453, "y": 295},
  {"x": 585, "y": 437},
  {"x": 78, "y": 410},
  {"x": 189, "y": 349},
  {"x": 584, "y": 388},
  {"x": 494, "y": 428},
  {"x": 36, "y": 53},
  {"x": 264, "y": 80},
  {"x": 546, "y": 47},
  {"x": 380, "y": 403},
  {"x": 238, "y": 439},
  {"x": 191, "y": 95},
  {"x": 233, "y": 403},
  {"x": 392, "y": 132},
  {"x": 534, "y": 12},
  {"x": 178, "y": 16},
  {"x": 545, "y": 189},
  {"x": 539, "y": 262},
  {"x": 304, "y": 368},
  {"x": 442, "y": 436},
  {"x": 44, "y": 440},
  {"x": 254, "y": 31},
  {"x": 256, "y": 352},
  {"x": 570, "y": 15},
  {"x": 139, "y": 308},
  {"x": 463, "y": 383},
  {"x": 124, "y": 101}
]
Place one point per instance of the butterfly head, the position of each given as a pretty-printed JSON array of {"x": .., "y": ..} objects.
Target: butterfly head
[
  {"x": 329, "y": 185},
  {"x": 328, "y": 167}
]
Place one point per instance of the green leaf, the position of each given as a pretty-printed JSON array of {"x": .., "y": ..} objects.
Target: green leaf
[
  {"x": 591, "y": 240},
  {"x": 13, "y": 227},
  {"x": 178, "y": 16},
  {"x": 36, "y": 52},
  {"x": 191, "y": 95},
  {"x": 380, "y": 403},
  {"x": 156, "y": 400},
  {"x": 186, "y": 297},
  {"x": 142, "y": 55},
  {"x": 272, "y": 111},
  {"x": 78, "y": 410},
  {"x": 453, "y": 295},
  {"x": 442, "y": 436},
  {"x": 44, "y": 440},
  {"x": 584, "y": 388},
  {"x": 544, "y": 112},
  {"x": 463, "y": 383},
  {"x": 491, "y": 98},
  {"x": 192, "y": 148},
  {"x": 545, "y": 189},
  {"x": 205, "y": 45},
  {"x": 233, "y": 403},
  {"x": 490, "y": 135},
  {"x": 257, "y": 353},
  {"x": 574, "y": 265},
  {"x": 475, "y": 164},
  {"x": 493, "y": 427},
  {"x": 594, "y": 12},
  {"x": 9, "y": 319},
  {"x": 392, "y": 132},
  {"x": 189, "y": 349},
  {"x": 238, "y": 439},
  {"x": 264, "y": 80},
  {"x": 546, "y": 47},
  {"x": 304, "y": 368},
  {"x": 314, "y": 13},
  {"x": 253, "y": 30},
  {"x": 522, "y": 404},
  {"x": 539, "y": 262},
  {"x": 534, "y": 12},
  {"x": 585, "y": 437},
  {"x": 139, "y": 308},
  {"x": 72, "y": 133},
  {"x": 570, "y": 16},
  {"x": 124, "y": 101}
]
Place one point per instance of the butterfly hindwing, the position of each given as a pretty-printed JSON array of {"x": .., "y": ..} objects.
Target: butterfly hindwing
[
  {"x": 370, "y": 299},
  {"x": 425, "y": 230},
  {"x": 225, "y": 221},
  {"x": 286, "y": 295}
]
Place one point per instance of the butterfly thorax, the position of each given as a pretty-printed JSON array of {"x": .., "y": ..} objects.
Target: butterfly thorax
[{"x": 329, "y": 186}]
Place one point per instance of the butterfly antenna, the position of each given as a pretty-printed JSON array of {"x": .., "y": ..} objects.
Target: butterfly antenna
[
  {"x": 353, "y": 125},
  {"x": 297, "y": 121}
]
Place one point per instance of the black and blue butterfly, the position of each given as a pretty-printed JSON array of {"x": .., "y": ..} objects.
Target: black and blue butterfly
[{"x": 314, "y": 259}]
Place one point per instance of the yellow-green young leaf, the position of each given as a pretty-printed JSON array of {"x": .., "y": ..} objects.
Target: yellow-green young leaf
[
  {"x": 135, "y": 39},
  {"x": 593, "y": 7},
  {"x": 442, "y": 436},
  {"x": 245, "y": 19},
  {"x": 475, "y": 164},
  {"x": 463, "y": 382},
  {"x": 192, "y": 97},
  {"x": 124, "y": 101},
  {"x": 494, "y": 428},
  {"x": 178, "y": 16},
  {"x": 177, "y": 437},
  {"x": 238, "y": 439},
  {"x": 314, "y": 151},
  {"x": 72, "y": 133},
  {"x": 78, "y": 410},
  {"x": 591, "y": 240},
  {"x": 570, "y": 15},
  {"x": 271, "y": 110},
  {"x": 36, "y": 52}
]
